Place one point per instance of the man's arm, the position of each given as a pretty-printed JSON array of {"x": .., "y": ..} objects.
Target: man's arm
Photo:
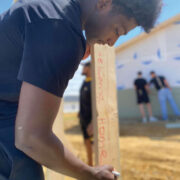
[
  {"x": 33, "y": 135},
  {"x": 167, "y": 84},
  {"x": 90, "y": 129},
  {"x": 135, "y": 87},
  {"x": 147, "y": 88},
  {"x": 150, "y": 84}
]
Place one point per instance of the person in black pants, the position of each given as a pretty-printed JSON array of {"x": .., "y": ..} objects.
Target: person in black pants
[
  {"x": 141, "y": 88},
  {"x": 85, "y": 113}
]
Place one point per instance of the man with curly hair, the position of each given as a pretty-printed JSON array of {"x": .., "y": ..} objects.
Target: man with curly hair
[{"x": 41, "y": 45}]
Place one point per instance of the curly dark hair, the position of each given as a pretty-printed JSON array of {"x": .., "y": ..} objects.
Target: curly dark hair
[{"x": 145, "y": 12}]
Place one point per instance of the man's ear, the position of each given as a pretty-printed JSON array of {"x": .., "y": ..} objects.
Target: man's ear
[{"x": 104, "y": 5}]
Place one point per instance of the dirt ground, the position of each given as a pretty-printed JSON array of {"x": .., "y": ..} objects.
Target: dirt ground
[{"x": 148, "y": 151}]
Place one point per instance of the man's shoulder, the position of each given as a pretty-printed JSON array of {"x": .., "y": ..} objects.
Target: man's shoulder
[
  {"x": 48, "y": 9},
  {"x": 152, "y": 80},
  {"x": 31, "y": 10},
  {"x": 162, "y": 77},
  {"x": 136, "y": 80},
  {"x": 140, "y": 80},
  {"x": 143, "y": 79},
  {"x": 88, "y": 83}
]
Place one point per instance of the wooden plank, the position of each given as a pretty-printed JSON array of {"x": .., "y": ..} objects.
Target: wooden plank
[{"x": 105, "y": 111}]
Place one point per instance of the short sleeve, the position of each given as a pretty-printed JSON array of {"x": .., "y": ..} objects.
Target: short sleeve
[
  {"x": 135, "y": 83},
  {"x": 145, "y": 82},
  {"x": 151, "y": 81},
  {"x": 163, "y": 78},
  {"x": 52, "y": 53}
]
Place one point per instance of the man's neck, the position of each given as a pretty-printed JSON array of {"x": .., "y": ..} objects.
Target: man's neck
[{"x": 87, "y": 8}]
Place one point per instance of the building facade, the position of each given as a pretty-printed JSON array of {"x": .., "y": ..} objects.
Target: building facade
[{"x": 158, "y": 51}]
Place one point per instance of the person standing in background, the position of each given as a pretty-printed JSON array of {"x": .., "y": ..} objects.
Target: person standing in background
[
  {"x": 85, "y": 113},
  {"x": 142, "y": 89},
  {"x": 164, "y": 94}
]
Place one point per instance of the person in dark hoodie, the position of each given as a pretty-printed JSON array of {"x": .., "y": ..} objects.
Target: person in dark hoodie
[
  {"x": 41, "y": 45},
  {"x": 85, "y": 113}
]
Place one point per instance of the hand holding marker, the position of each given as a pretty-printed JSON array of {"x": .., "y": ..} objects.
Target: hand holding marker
[{"x": 117, "y": 174}]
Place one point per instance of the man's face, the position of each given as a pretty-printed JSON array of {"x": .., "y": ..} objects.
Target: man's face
[
  {"x": 86, "y": 70},
  {"x": 153, "y": 75},
  {"x": 105, "y": 27}
]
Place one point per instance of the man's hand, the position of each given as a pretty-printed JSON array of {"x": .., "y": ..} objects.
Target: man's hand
[
  {"x": 167, "y": 84},
  {"x": 147, "y": 89},
  {"x": 78, "y": 115},
  {"x": 90, "y": 129},
  {"x": 102, "y": 173}
]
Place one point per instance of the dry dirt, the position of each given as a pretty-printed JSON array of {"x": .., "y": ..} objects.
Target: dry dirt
[{"x": 148, "y": 151}]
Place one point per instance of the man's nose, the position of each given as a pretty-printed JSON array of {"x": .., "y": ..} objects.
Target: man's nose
[{"x": 111, "y": 42}]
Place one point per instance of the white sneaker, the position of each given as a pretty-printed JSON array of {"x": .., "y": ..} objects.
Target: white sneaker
[
  {"x": 144, "y": 120},
  {"x": 153, "y": 119}
]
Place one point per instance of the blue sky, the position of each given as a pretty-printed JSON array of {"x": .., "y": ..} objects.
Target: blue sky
[{"x": 170, "y": 9}]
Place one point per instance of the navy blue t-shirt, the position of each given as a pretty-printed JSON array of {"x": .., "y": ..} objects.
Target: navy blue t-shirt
[
  {"x": 140, "y": 84},
  {"x": 85, "y": 104},
  {"x": 158, "y": 82},
  {"x": 41, "y": 42}
]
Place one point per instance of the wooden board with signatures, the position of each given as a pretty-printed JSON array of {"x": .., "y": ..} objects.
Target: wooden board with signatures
[{"x": 105, "y": 111}]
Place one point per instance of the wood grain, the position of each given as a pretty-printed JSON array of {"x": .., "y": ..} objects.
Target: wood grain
[{"x": 105, "y": 111}]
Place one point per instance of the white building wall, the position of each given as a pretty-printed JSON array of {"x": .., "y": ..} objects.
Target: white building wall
[{"x": 159, "y": 52}]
